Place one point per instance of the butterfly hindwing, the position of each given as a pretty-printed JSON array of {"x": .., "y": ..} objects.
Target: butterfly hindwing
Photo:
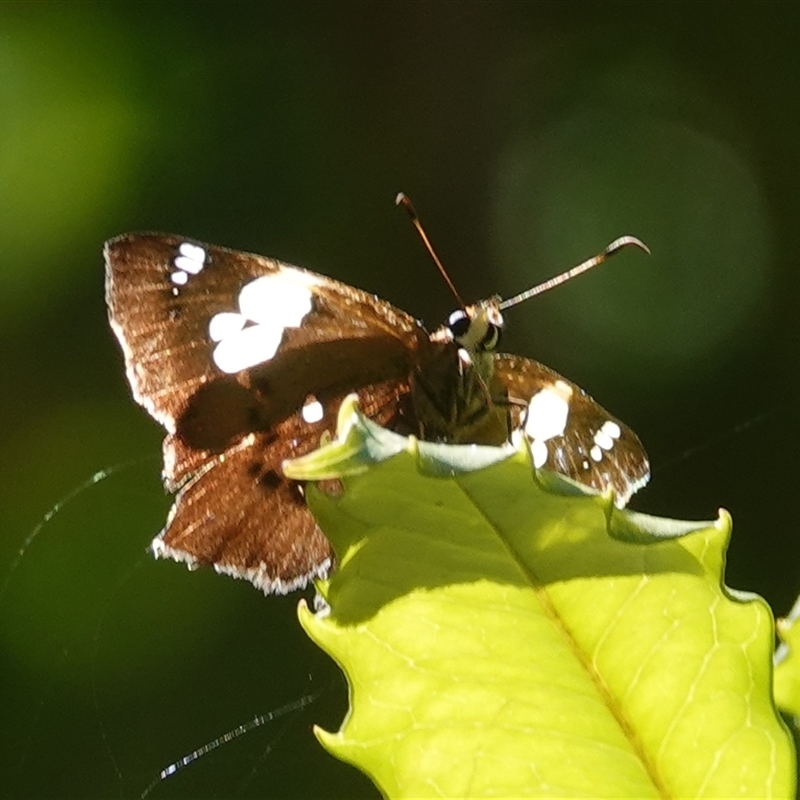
[{"x": 240, "y": 514}]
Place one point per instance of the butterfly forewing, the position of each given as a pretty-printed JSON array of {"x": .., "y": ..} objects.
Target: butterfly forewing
[
  {"x": 569, "y": 432},
  {"x": 162, "y": 302}
]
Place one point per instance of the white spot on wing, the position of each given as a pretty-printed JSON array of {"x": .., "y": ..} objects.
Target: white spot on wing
[
  {"x": 312, "y": 410},
  {"x": 548, "y": 411},
  {"x": 190, "y": 260},
  {"x": 273, "y": 303},
  {"x": 605, "y": 437},
  {"x": 539, "y": 453},
  {"x": 192, "y": 251},
  {"x": 603, "y": 440},
  {"x": 248, "y": 347},
  {"x": 188, "y": 265},
  {"x": 224, "y": 325},
  {"x": 275, "y": 299},
  {"x": 596, "y": 453}
]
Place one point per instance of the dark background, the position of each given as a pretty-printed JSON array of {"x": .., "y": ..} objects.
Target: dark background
[{"x": 529, "y": 135}]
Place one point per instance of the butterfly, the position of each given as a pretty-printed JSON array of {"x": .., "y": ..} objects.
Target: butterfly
[{"x": 245, "y": 360}]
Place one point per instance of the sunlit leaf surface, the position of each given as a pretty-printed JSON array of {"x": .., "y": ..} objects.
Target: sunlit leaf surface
[{"x": 507, "y": 634}]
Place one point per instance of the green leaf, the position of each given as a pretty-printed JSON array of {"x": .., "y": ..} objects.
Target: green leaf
[
  {"x": 505, "y": 632},
  {"x": 787, "y": 663}
]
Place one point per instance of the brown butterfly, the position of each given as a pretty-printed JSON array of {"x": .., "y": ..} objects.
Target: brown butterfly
[{"x": 245, "y": 360}]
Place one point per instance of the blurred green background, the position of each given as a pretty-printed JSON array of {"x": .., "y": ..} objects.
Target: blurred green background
[{"x": 528, "y": 135}]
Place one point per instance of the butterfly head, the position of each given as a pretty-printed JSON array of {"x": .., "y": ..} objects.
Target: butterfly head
[{"x": 476, "y": 328}]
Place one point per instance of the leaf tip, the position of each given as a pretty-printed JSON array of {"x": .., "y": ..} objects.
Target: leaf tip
[
  {"x": 330, "y": 741},
  {"x": 724, "y": 521}
]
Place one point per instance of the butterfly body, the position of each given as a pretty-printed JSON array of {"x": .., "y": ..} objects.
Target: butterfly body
[{"x": 245, "y": 360}]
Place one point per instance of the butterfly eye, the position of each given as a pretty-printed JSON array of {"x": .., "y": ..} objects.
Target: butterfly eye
[
  {"x": 459, "y": 324},
  {"x": 491, "y": 338}
]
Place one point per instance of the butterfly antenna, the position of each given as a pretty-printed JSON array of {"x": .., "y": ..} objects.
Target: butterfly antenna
[
  {"x": 402, "y": 200},
  {"x": 612, "y": 249}
]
